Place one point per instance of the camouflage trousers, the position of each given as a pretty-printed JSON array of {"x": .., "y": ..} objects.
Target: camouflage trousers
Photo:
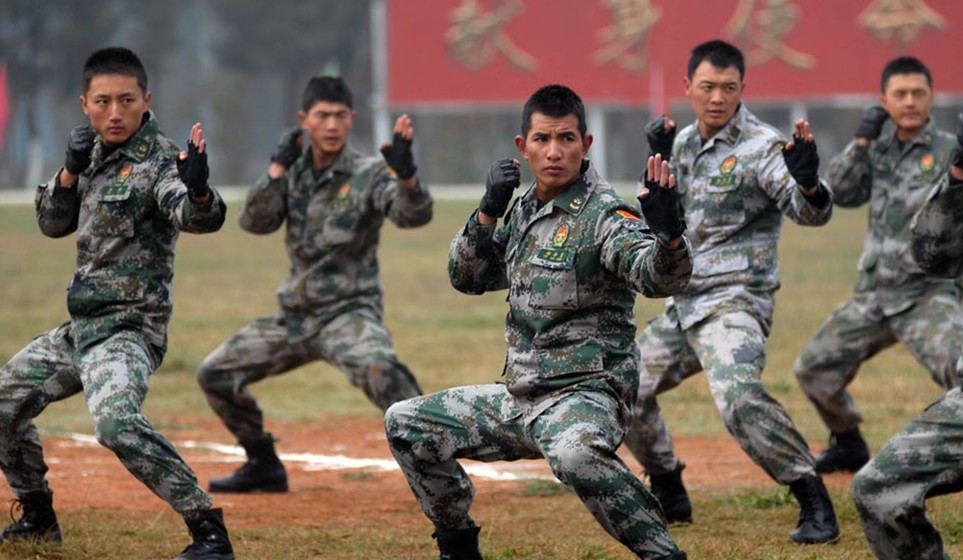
[
  {"x": 578, "y": 436},
  {"x": 114, "y": 377},
  {"x": 730, "y": 349},
  {"x": 932, "y": 330},
  {"x": 922, "y": 461},
  {"x": 356, "y": 342}
]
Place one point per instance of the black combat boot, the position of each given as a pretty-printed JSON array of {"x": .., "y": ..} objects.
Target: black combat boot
[
  {"x": 210, "y": 537},
  {"x": 458, "y": 544},
  {"x": 263, "y": 471},
  {"x": 38, "y": 522},
  {"x": 817, "y": 520},
  {"x": 847, "y": 451},
  {"x": 674, "y": 556},
  {"x": 670, "y": 491}
]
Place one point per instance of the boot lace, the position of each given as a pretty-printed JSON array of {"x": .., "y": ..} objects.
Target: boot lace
[{"x": 16, "y": 506}]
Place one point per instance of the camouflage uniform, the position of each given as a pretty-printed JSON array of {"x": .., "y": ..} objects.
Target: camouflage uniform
[
  {"x": 894, "y": 300},
  {"x": 331, "y": 303},
  {"x": 925, "y": 459},
  {"x": 127, "y": 208},
  {"x": 735, "y": 190},
  {"x": 571, "y": 267}
]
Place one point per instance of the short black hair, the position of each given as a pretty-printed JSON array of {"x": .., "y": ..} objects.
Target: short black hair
[
  {"x": 325, "y": 88},
  {"x": 114, "y": 60},
  {"x": 720, "y": 54},
  {"x": 905, "y": 65},
  {"x": 554, "y": 101}
]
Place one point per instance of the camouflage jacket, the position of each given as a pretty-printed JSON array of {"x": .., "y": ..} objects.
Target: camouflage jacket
[
  {"x": 937, "y": 231},
  {"x": 127, "y": 208},
  {"x": 333, "y": 228},
  {"x": 735, "y": 189},
  {"x": 572, "y": 267},
  {"x": 895, "y": 180}
]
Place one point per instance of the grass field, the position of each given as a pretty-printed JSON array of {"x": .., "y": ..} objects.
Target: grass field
[{"x": 224, "y": 280}]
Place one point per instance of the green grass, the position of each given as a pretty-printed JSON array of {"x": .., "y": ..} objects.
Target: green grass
[{"x": 226, "y": 279}]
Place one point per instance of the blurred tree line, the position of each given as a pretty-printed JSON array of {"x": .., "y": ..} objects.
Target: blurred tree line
[{"x": 237, "y": 66}]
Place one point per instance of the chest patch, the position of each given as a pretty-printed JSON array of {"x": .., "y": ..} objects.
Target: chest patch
[
  {"x": 561, "y": 236},
  {"x": 123, "y": 174},
  {"x": 728, "y": 165},
  {"x": 927, "y": 162}
]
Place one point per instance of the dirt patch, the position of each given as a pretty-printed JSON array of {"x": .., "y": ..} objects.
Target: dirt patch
[{"x": 339, "y": 469}]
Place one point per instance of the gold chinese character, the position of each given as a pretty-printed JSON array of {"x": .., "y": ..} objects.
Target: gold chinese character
[
  {"x": 765, "y": 26},
  {"x": 623, "y": 41},
  {"x": 904, "y": 17},
  {"x": 475, "y": 36}
]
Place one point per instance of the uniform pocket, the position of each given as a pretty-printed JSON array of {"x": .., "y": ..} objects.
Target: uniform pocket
[
  {"x": 553, "y": 281},
  {"x": 113, "y": 217}
]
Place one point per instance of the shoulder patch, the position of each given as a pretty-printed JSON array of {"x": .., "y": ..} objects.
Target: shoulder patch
[{"x": 627, "y": 215}]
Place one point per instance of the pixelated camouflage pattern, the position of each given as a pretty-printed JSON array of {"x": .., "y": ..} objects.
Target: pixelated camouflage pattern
[
  {"x": 333, "y": 225},
  {"x": 895, "y": 180},
  {"x": 331, "y": 304},
  {"x": 735, "y": 189},
  {"x": 925, "y": 459},
  {"x": 731, "y": 349},
  {"x": 572, "y": 267},
  {"x": 578, "y": 435},
  {"x": 894, "y": 299},
  {"x": 127, "y": 209},
  {"x": 356, "y": 342},
  {"x": 937, "y": 231}
]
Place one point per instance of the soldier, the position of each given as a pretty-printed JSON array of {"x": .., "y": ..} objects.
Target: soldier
[
  {"x": 894, "y": 300},
  {"x": 334, "y": 201},
  {"x": 572, "y": 254},
  {"x": 737, "y": 178},
  {"x": 925, "y": 459},
  {"x": 127, "y": 191}
]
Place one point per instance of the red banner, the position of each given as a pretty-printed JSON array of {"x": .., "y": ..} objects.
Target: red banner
[{"x": 635, "y": 51}]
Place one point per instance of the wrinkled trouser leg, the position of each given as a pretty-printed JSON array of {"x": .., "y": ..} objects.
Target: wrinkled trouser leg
[
  {"x": 41, "y": 373},
  {"x": 829, "y": 362},
  {"x": 731, "y": 348},
  {"x": 578, "y": 436},
  {"x": 259, "y": 350},
  {"x": 933, "y": 332},
  {"x": 355, "y": 342},
  {"x": 359, "y": 344},
  {"x": 923, "y": 460},
  {"x": 666, "y": 361},
  {"x": 115, "y": 375}
]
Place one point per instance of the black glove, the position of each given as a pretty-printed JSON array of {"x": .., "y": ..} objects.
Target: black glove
[
  {"x": 662, "y": 211},
  {"x": 289, "y": 148},
  {"x": 399, "y": 157},
  {"x": 79, "y": 145},
  {"x": 660, "y": 139},
  {"x": 872, "y": 124},
  {"x": 503, "y": 178},
  {"x": 194, "y": 171},
  {"x": 958, "y": 158},
  {"x": 803, "y": 162}
]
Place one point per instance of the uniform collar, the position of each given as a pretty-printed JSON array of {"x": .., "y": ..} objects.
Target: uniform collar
[
  {"x": 574, "y": 197},
  {"x": 924, "y": 138},
  {"x": 138, "y": 146}
]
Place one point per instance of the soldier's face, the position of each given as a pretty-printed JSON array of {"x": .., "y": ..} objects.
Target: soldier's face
[
  {"x": 554, "y": 149},
  {"x": 328, "y": 125},
  {"x": 116, "y": 106},
  {"x": 908, "y": 98},
  {"x": 715, "y": 95}
]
